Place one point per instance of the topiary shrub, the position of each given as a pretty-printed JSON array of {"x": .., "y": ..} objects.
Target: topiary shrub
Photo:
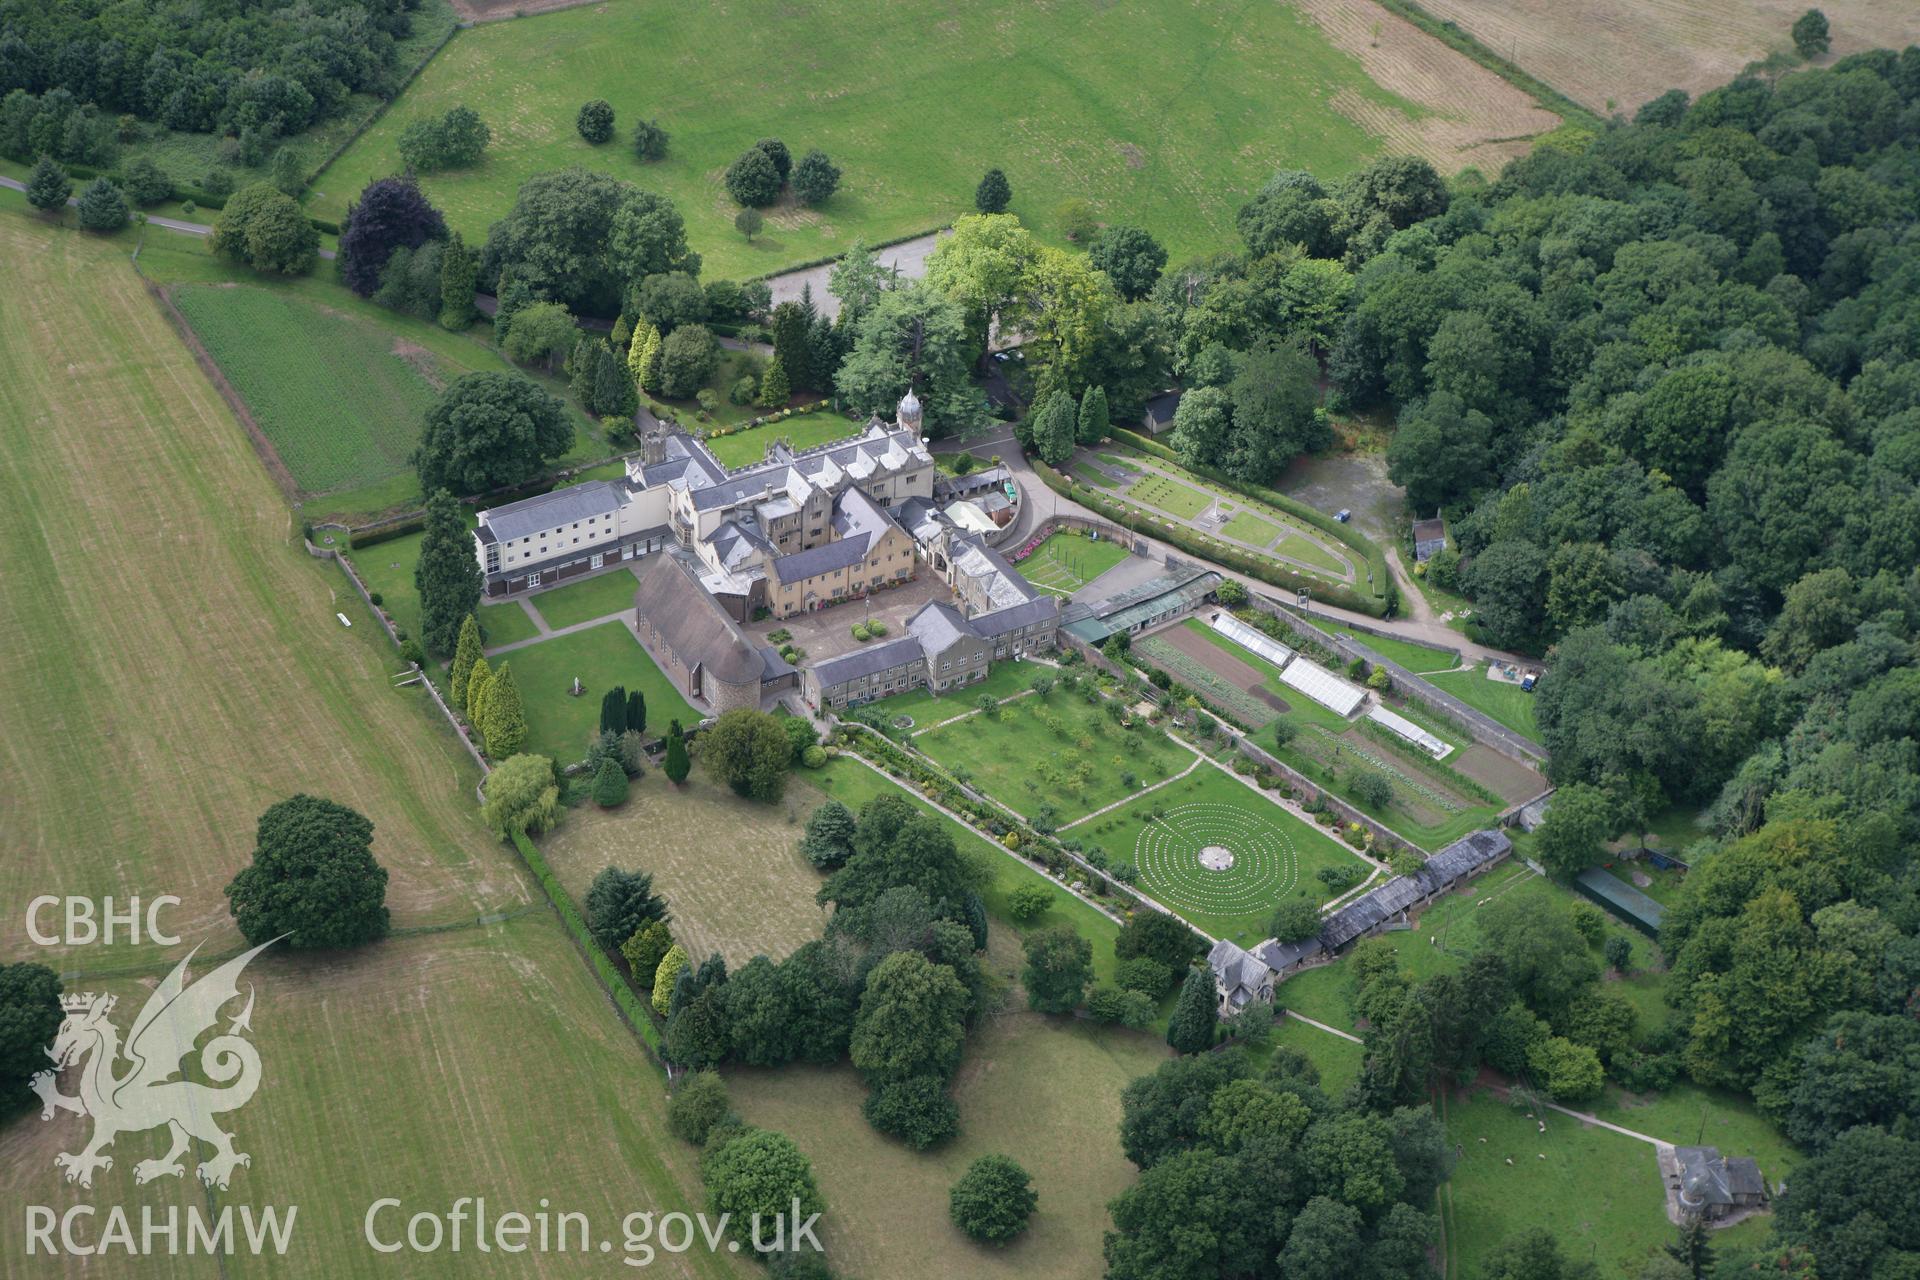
[{"x": 610, "y": 784}]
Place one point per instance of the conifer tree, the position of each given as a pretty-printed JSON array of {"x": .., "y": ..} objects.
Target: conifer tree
[
  {"x": 466, "y": 651},
  {"x": 1190, "y": 1029},
  {"x": 613, "y": 710},
  {"x": 614, "y": 395},
  {"x": 447, "y": 575},
  {"x": 478, "y": 679},
  {"x": 677, "y": 765},
  {"x": 459, "y": 270},
  {"x": 504, "y": 720},
  {"x": 774, "y": 391},
  {"x": 48, "y": 186},
  {"x": 610, "y": 784},
  {"x": 1094, "y": 420},
  {"x": 102, "y": 206},
  {"x": 636, "y": 711}
]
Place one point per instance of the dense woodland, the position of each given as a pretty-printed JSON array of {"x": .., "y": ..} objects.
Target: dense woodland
[{"x": 270, "y": 69}]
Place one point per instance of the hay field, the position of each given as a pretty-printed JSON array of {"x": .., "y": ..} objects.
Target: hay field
[
  {"x": 1044, "y": 1091},
  {"x": 1161, "y": 115},
  {"x": 170, "y": 664},
  {"x": 149, "y": 715},
  {"x": 1616, "y": 54},
  {"x": 731, "y": 869}
]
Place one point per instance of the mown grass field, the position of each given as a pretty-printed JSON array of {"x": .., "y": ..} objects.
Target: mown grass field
[
  {"x": 1418, "y": 658},
  {"x": 731, "y": 869},
  {"x": 145, "y": 729},
  {"x": 1061, "y": 751},
  {"x": 1160, "y": 115},
  {"x": 388, "y": 568},
  {"x": 337, "y": 385},
  {"x": 341, "y": 400},
  {"x": 926, "y": 708},
  {"x": 1044, "y": 1091}
]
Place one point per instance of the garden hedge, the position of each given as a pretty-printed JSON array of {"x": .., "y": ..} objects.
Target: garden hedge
[{"x": 1250, "y": 563}]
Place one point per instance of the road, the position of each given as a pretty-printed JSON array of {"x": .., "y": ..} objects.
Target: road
[
  {"x": 908, "y": 259},
  {"x": 171, "y": 224}
]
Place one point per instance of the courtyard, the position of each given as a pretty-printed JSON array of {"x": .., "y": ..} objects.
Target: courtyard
[{"x": 828, "y": 633}]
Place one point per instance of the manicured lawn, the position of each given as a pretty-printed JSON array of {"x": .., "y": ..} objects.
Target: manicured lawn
[
  {"x": 1070, "y": 103},
  {"x": 1302, "y": 548},
  {"x": 1063, "y": 752},
  {"x": 1090, "y": 475},
  {"x": 590, "y": 598},
  {"x": 1169, "y": 496},
  {"x": 559, "y": 724},
  {"x": 927, "y": 709},
  {"x": 1511, "y": 705},
  {"x": 1250, "y": 528},
  {"x": 1274, "y": 855},
  {"x": 387, "y": 568},
  {"x": 505, "y": 623},
  {"x": 1065, "y": 562},
  {"x": 803, "y": 431}
]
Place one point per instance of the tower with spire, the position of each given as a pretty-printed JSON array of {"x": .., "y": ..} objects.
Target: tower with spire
[{"x": 908, "y": 415}]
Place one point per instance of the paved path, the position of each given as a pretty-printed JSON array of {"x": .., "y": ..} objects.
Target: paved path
[
  {"x": 171, "y": 224},
  {"x": 1321, "y": 1026},
  {"x": 550, "y": 633},
  {"x": 1198, "y": 760}
]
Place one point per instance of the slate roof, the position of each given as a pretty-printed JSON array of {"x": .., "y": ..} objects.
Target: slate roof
[
  {"x": 867, "y": 661},
  {"x": 772, "y": 665},
  {"x": 1004, "y": 585},
  {"x": 1001, "y": 621},
  {"x": 937, "y": 626},
  {"x": 691, "y": 622},
  {"x": 824, "y": 558},
  {"x": 1238, "y": 973},
  {"x": 1453, "y": 863},
  {"x": 1706, "y": 1178},
  {"x": 551, "y": 510},
  {"x": 878, "y": 449}
]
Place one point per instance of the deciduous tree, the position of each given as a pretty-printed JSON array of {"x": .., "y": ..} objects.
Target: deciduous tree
[
  {"x": 490, "y": 430},
  {"x": 313, "y": 878},
  {"x": 993, "y": 1200},
  {"x": 749, "y": 752}
]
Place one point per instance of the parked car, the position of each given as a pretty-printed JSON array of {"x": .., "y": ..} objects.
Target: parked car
[{"x": 1343, "y": 515}]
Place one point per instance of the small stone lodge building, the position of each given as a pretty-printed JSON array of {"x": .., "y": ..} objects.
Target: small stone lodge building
[
  {"x": 1704, "y": 1184},
  {"x": 1460, "y": 861}
]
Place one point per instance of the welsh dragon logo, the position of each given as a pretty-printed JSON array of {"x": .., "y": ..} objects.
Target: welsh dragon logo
[{"x": 149, "y": 1092}]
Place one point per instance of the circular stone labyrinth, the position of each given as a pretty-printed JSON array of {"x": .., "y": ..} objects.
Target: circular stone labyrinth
[{"x": 1216, "y": 859}]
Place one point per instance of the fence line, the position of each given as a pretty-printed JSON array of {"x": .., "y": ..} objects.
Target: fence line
[{"x": 386, "y": 624}]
